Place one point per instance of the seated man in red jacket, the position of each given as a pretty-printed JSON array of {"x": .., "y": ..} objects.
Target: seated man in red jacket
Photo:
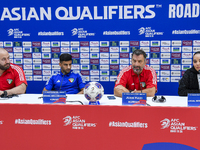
[
  {"x": 137, "y": 78},
  {"x": 12, "y": 77}
]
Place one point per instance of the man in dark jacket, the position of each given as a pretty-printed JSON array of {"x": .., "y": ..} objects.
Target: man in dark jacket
[{"x": 189, "y": 82}]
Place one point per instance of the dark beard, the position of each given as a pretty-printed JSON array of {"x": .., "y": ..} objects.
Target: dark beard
[
  {"x": 137, "y": 70},
  {"x": 3, "y": 67}
]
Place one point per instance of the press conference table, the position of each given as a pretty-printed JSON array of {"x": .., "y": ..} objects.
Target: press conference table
[
  {"x": 37, "y": 99},
  {"x": 27, "y": 123}
]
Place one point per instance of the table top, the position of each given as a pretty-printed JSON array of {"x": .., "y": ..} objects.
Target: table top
[{"x": 37, "y": 99}]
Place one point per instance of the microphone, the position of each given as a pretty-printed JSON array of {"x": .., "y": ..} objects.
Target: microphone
[
  {"x": 62, "y": 80},
  {"x": 139, "y": 82}
]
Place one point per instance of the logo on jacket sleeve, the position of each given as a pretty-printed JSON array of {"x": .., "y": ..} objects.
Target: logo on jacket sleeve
[
  {"x": 9, "y": 81},
  {"x": 71, "y": 80}
]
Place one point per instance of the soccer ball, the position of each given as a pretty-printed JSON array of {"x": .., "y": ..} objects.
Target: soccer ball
[{"x": 93, "y": 91}]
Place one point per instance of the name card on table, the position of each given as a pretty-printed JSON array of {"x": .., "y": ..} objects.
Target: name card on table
[
  {"x": 134, "y": 99},
  {"x": 194, "y": 99},
  {"x": 54, "y": 97}
]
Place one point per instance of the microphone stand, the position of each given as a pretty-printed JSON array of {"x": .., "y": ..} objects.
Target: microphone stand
[
  {"x": 139, "y": 82},
  {"x": 62, "y": 81}
]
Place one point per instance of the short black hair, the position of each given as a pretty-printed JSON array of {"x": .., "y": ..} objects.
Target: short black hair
[
  {"x": 198, "y": 52},
  {"x": 139, "y": 52},
  {"x": 65, "y": 57}
]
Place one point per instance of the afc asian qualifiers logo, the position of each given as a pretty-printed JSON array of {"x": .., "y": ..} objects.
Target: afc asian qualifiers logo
[
  {"x": 165, "y": 123},
  {"x": 67, "y": 120},
  {"x": 17, "y": 33},
  {"x": 176, "y": 126},
  {"x": 77, "y": 122},
  {"x": 141, "y": 30},
  {"x": 74, "y": 31},
  {"x": 10, "y": 32},
  {"x": 81, "y": 33},
  {"x": 148, "y": 32}
]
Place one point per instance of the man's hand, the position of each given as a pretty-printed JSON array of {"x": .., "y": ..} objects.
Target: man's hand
[
  {"x": 81, "y": 92},
  {"x": 20, "y": 89},
  {"x": 1, "y": 92},
  {"x": 150, "y": 91},
  {"x": 135, "y": 91},
  {"x": 118, "y": 90}
]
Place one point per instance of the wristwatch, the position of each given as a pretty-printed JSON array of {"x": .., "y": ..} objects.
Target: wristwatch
[{"x": 5, "y": 94}]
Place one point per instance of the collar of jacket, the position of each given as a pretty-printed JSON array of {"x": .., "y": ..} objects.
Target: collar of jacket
[{"x": 194, "y": 70}]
